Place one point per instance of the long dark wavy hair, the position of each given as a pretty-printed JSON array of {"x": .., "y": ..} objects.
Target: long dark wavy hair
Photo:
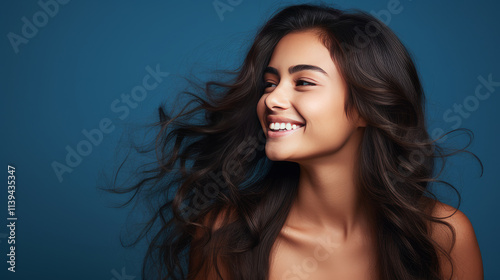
[{"x": 210, "y": 159}]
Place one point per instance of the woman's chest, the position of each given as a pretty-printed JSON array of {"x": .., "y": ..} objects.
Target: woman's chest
[{"x": 322, "y": 257}]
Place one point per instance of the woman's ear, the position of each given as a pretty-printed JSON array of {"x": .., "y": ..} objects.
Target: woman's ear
[
  {"x": 359, "y": 121},
  {"x": 362, "y": 122}
]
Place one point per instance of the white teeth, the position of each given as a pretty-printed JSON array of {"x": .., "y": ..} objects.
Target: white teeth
[{"x": 283, "y": 126}]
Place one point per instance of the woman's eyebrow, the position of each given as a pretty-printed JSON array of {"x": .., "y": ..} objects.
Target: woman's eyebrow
[{"x": 295, "y": 68}]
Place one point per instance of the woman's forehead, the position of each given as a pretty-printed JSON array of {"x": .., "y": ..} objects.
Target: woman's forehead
[{"x": 301, "y": 48}]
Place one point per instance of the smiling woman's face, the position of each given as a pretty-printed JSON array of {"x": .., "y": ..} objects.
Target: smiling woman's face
[{"x": 303, "y": 86}]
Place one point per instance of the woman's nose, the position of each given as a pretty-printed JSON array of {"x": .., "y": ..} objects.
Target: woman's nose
[{"x": 278, "y": 98}]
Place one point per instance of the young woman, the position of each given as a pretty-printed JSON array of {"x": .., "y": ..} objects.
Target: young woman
[{"x": 313, "y": 162}]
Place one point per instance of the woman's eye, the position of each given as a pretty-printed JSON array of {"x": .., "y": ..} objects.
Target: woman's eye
[
  {"x": 305, "y": 83},
  {"x": 269, "y": 84}
]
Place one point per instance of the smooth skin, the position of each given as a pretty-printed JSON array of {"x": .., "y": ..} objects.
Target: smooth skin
[{"x": 329, "y": 232}]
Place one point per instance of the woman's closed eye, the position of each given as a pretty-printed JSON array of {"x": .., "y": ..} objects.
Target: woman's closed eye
[
  {"x": 298, "y": 83},
  {"x": 304, "y": 83}
]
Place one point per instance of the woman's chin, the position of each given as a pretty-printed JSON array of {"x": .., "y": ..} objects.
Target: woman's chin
[{"x": 275, "y": 155}]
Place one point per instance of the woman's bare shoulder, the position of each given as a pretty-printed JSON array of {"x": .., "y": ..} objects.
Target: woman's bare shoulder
[
  {"x": 465, "y": 253},
  {"x": 456, "y": 218}
]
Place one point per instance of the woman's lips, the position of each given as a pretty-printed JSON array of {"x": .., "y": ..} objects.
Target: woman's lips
[{"x": 276, "y": 134}]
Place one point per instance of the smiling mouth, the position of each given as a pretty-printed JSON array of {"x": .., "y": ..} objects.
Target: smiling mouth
[
  {"x": 278, "y": 132},
  {"x": 275, "y": 127}
]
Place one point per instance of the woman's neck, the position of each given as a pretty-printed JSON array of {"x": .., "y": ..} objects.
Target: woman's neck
[{"x": 328, "y": 196}]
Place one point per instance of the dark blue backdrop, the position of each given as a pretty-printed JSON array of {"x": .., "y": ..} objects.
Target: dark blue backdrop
[{"x": 68, "y": 67}]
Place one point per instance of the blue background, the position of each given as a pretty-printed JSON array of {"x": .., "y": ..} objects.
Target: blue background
[{"x": 65, "y": 78}]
